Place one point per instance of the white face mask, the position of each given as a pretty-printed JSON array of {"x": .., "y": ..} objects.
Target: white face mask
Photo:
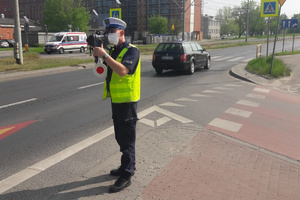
[{"x": 113, "y": 38}]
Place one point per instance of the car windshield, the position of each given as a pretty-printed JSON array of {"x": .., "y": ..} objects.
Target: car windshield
[
  {"x": 169, "y": 47},
  {"x": 56, "y": 38}
]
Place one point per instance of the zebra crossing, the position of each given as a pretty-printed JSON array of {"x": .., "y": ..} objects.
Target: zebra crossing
[{"x": 230, "y": 59}]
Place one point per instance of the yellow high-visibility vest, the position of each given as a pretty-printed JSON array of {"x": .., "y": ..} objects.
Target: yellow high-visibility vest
[{"x": 124, "y": 88}]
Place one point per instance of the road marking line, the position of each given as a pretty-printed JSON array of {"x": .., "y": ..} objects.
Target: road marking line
[
  {"x": 215, "y": 57},
  {"x": 224, "y": 58},
  {"x": 185, "y": 99},
  {"x": 238, "y": 112},
  {"x": 211, "y": 91},
  {"x": 41, "y": 166},
  {"x": 200, "y": 95},
  {"x": 234, "y": 59},
  {"x": 227, "y": 125},
  {"x": 17, "y": 103},
  {"x": 147, "y": 122},
  {"x": 232, "y": 85},
  {"x": 262, "y": 90},
  {"x": 171, "y": 104},
  {"x": 35, "y": 169},
  {"x": 222, "y": 88},
  {"x": 92, "y": 85},
  {"x": 248, "y": 103},
  {"x": 162, "y": 121},
  {"x": 257, "y": 96},
  {"x": 247, "y": 60}
]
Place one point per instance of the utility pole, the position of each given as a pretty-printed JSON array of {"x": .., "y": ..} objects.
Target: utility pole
[
  {"x": 18, "y": 53},
  {"x": 183, "y": 19},
  {"x": 247, "y": 23}
]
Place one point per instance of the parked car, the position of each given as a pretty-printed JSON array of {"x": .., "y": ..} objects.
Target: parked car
[
  {"x": 224, "y": 37},
  {"x": 11, "y": 43},
  {"x": 180, "y": 56},
  {"x": 3, "y": 43}
]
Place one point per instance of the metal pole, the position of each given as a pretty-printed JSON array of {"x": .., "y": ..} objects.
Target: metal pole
[
  {"x": 293, "y": 41},
  {"x": 17, "y": 31},
  {"x": 283, "y": 40},
  {"x": 247, "y": 23},
  {"x": 268, "y": 36},
  {"x": 183, "y": 19},
  {"x": 275, "y": 40}
]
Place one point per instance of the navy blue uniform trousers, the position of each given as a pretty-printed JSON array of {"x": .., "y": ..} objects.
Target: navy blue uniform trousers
[{"x": 125, "y": 119}]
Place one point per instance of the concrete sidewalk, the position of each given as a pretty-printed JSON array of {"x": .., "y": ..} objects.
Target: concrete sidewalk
[{"x": 201, "y": 164}]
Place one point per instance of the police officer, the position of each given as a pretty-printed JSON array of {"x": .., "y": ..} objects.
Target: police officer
[{"x": 122, "y": 85}]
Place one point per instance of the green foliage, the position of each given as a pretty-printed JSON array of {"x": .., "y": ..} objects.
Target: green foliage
[
  {"x": 177, "y": 25},
  {"x": 158, "y": 25},
  {"x": 261, "y": 66},
  {"x": 60, "y": 14}
]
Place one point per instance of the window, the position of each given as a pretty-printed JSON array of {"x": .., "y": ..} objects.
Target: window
[
  {"x": 194, "y": 47},
  {"x": 188, "y": 48}
]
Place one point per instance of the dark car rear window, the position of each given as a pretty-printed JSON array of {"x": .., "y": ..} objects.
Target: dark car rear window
[{"x": 169, "y": 47}]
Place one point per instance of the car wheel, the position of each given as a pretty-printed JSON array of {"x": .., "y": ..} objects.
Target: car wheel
[
  {"x": 207, "y": 66},
  {"x": 82, "y": 49},
  {"x": 158, "y": 70},
  {"x": 61, "y": 51},
  {"x": 192, "y": 67}
]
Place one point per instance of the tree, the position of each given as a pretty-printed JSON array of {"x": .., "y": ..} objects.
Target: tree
[
  {"x": 225, "y": 17},
  {"x": 60, "y": 14},
  {"x": 158, "y": 25},
  {"x": 297, "y": 30},
  {"x": 177, "y": 25}
]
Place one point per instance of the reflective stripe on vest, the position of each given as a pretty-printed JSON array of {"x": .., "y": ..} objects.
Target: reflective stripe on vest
[{"x": 124, "y": 88}]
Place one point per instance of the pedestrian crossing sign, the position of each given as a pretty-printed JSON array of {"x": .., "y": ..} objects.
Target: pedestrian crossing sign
[
  {"x": 269, "y": 8},
  {"x": 115, "y": 12}
]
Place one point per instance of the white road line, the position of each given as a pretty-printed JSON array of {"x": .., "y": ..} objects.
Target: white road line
[
  {"x": 224, "y": 58},
  {"x": 35, "y": 169},
  {"x": 92, "y": 85},
  {"x": 238, "y": 112},
  {"x": 215, "y": 57},
  {"x": 248, "y": 103},
  {"x": 171, "y": 104},
  {"x": 162, "y": 121},
  {"x": 247, "y": 60},
  {"x": 262, "y": 90},
  {"x": 41, "y": 166},
  {"x": 211, "y": 91},
  {"x": 185, "y": 99},
  {"x": 147, "y": 122},
  {"x": 200, "y": 95},
  {"x": 235, "y": 59},
  {"x": 232, "y": 85},
  {"x": 256, "y": 96},
  {"x": 222, "y": 88},
  {"x": 17, "y": 103},
  {"x": 224, "y": 124}
]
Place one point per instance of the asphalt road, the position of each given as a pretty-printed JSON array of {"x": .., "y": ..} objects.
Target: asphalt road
[{"x": 66, "y": 108}]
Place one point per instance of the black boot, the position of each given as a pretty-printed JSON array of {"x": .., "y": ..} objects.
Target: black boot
[{"x": 119, "y": 185}]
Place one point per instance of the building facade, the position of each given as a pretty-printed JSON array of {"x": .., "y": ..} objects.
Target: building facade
[
  {"x": 6, "y": 8},
  {"x": 135, "y": 12},
  {"x": 211, "y": 27}
]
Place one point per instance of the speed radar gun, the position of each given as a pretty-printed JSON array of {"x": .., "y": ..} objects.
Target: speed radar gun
[{"x": 96, "y": 40}]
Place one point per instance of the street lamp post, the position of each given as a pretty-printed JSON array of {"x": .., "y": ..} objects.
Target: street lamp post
[
  {"x": 18, "y": 53},
  {"x": 183, "y": 19}
]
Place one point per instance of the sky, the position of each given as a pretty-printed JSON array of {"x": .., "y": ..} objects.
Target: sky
[{"x": 290, "y": 7}]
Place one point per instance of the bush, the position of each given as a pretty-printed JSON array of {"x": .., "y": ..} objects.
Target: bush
[{"x": 261, "y": 66}]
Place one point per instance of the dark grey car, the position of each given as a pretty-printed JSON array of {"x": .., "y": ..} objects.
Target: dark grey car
[{"x": 180, "y": 56}]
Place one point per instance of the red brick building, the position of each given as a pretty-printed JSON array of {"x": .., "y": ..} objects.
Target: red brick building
[{"x": 6, "y": 8}]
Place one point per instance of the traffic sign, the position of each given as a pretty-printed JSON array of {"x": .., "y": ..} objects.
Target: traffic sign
[
  {"x": 269, "y": 8},
  {"x": 281, "y": 2},
  {"x": 115, "y": 12},
  {"x": 289, "y": 23}
]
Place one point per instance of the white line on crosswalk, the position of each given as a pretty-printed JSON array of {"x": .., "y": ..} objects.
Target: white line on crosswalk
[
  {"x": 248, "y": 103},
  {"x": 238, "y": 112},
  {"x": 235, "y": 59},
  {"x": 225, "y": 124}
]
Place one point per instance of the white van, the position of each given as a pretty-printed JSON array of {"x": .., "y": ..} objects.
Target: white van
[{"x": 66, "y": 41}]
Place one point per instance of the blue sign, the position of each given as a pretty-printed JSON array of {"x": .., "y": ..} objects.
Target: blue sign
[
  {"x": 289, "y": 23},
  {"x": 269, "y": 8}
]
